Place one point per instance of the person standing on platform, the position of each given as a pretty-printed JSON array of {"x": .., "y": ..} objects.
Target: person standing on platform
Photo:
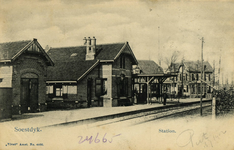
[{"x": 164, "y": 98}]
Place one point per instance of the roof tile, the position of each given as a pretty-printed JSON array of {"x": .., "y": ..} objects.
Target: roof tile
[{"x": 10, "y": 49}]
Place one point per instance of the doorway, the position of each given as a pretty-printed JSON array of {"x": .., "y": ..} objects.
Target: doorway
[
  {"x": 29, "y": 95},
  {"x": 142, "y": 95}
]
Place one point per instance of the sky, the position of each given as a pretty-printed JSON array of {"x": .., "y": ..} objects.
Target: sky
[{"x": 154, "y": 28}]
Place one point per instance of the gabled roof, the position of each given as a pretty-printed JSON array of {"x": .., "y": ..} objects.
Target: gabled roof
[
  {"x": 11, "y": 50},
  {"x": 72, "y": 60},
  {"x": 69, "y": 71},
  {"x": 195, "y": 66},
  {"x": 149, "y": 67},
  {"x": 174, "y": 67},
  {"x": 191, "y": 66},
  {"x": 103, "y": 52}
]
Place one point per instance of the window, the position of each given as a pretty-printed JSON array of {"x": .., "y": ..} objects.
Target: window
[
  {"x": 100, "y": 86},
  {"x": 193, "y": 77},
  {"x": 122, "y": 61},
  {"x": 197, "y": 77},
  {"x": 74, "y": 54},
  {"x": 209, "y": 77},
  {"x": 49, "y": 89},
  {"x": 62, "y": 90},
  {"x": 59, "y": 92},
  {"x": 65, "y": 89}
]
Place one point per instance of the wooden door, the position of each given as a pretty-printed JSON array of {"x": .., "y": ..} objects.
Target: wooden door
[
  {"x": 24, "y": 100},
  {"x": 29, "y": 95},
  {"x": 142, "y": 95},
  {"x": 33, "y": 83}
]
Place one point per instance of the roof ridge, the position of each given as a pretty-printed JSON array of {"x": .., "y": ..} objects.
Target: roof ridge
[
  {"x": 195, "y": 61},
  {"x": 17, "y": 41},
  {"x": 84, "y": 45},
  {"x": 144, "y": 60}
]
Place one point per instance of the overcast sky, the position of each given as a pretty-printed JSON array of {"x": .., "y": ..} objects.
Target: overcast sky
[{"x": 154, "y": 29}]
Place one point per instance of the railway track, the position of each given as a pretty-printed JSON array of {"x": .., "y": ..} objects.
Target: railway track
[{"x": 140, "y": 116}]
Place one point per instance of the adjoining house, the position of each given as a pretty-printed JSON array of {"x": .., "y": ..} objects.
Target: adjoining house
[
  {"x": 188, "y": 81},
  {"x": 23, "y": 70},
  {"x": 90, "y": 75},
  {"x": 148, "y": 79},
  {"x": 170, "y": 85}
]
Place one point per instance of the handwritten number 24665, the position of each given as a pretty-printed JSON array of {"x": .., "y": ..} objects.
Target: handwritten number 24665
[{"x": 96, "y": 140}]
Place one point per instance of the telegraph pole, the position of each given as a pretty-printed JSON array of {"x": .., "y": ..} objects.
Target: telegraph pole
[
  {"x": 202, "y": 70},
  {"x": 214, "y": 73},
  {"x": 159, "y": 53}
]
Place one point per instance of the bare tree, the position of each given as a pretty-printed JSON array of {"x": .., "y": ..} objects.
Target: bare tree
[{"x": 171, "y": 59}]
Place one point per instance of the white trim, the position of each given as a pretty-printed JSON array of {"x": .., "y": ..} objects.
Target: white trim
[
  {"x": 106, "y": 60},
  {"x": 159, "y": 75},
  {"x": 125, "y": 44},
  {"x": 132, "y": 53},
  {"x": 16, "y": 55},
  {"x": 34, "y": 41},
  {"x": 88, "y": 70},
  {"x": 61, "y": 81},
  {"x": 121, "y": 69},
  {"x": 5, "y": 60},
  {"x": 43, "y": 51},
  {"x": 117, "y": 76},
  {"x": 150, "y": 80}
]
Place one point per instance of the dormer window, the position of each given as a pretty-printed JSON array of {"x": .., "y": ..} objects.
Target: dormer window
[{"x": 74, "y": 54}]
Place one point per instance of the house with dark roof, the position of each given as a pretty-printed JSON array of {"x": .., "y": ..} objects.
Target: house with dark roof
[
  {"x": 188, "y": 81},
  {"x": 148, "y": 78},
  {"x": 90, "y": 75},
  {"x": 23, "y": 66}
]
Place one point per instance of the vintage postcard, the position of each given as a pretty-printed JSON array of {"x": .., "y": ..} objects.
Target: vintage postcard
[{"x": 116, "y": 74}]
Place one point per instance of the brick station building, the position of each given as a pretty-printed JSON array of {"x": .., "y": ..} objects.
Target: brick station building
[
  {"x": 90, "y": 75},
  {"x": 23, "y": 70}
]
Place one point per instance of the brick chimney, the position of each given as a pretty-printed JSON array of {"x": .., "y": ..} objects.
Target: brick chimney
[{"x": 90, "y": 48}]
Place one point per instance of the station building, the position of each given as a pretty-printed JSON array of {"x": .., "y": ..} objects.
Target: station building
[
  {"x": 23, "y": 71},
  {"x": 90, "y": 75}
]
